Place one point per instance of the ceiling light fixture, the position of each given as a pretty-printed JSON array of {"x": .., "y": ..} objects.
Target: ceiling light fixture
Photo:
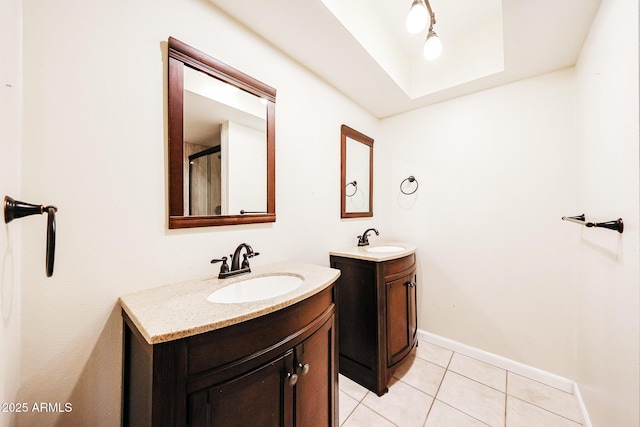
[
  {"x": 417, "y": 18},
  {"x": 432, "y": 47}
]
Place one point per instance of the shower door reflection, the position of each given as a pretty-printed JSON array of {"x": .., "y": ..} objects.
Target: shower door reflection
[{"x": 205, "y": 183}]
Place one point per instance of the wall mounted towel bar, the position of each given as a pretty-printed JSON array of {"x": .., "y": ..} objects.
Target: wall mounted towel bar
[
  {"x": 616, "y": 224},
  {"x": 15, "y": 209}
]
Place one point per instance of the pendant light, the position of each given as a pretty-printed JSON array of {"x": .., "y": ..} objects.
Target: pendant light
[
  {"x": 432, "y": 47},
  {"x": 419, "y": 14},
  {"x": 418, "y": 17}
]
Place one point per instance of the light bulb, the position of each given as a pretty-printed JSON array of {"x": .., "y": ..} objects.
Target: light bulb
[
  {"x": 418, "y": 17},
  {"x": 432, "y": 47}
]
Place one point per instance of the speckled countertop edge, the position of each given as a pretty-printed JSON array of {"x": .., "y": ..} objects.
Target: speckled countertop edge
[
  {"x": 360, "y": 252},
  {"x": 181, "y": 310}
]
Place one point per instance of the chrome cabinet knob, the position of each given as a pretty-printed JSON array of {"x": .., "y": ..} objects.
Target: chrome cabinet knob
[
  {"x": 292, "y": 379},
  {"x": 304, "y": 368}
]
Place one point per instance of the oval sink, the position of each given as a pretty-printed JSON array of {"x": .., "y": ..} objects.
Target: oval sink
[
  {"x": 256, "y": 289},
  {"x": 385, "y": 249}
]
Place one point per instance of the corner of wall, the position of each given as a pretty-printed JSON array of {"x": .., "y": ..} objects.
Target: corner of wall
[{"x": 10, "y": 135}]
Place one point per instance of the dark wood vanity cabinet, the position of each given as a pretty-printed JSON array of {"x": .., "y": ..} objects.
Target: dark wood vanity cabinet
[
  {"x": 277, "y": 370},
  {"x": 376, "y": 317}
]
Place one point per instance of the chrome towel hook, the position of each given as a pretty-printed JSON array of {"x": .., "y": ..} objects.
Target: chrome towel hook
[{"x": 14, "y": 209}]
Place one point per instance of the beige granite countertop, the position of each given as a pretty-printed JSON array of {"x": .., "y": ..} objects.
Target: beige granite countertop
[
  {"x": 361, "y": 252},
  {"x": 180, "y": 310}
]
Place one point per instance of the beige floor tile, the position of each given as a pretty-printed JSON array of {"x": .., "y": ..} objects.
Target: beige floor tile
[
  {"x": 443, "y": 415},
  {"x": 423, "y": 375},
  {"x": 403, "y": 405},
  {"x": 478, "y": 400},
  {"x": 523, "y": 414},
  {"x": 433, "y": 353},
  {"x": 544, "y": 396},
  {"x": 346, "y": 405},
  {"x": 482, "y": 372},
  {"x": 365, "y": 417},
  {"x": 352, "y": 388}
]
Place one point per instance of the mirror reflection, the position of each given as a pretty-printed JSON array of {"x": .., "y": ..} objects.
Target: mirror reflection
[
  {"x": 225, "y": 132},
  {"x": 221, "y": 142},
  {"x": 356, "y": 174}
]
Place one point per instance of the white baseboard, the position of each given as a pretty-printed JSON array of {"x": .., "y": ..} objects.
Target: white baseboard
[
  {"x": 536, "y": 374},
  {"x": 583, "y": 407}
]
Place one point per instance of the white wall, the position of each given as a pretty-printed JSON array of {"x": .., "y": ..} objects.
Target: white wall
[
  {"x": 10, "y": 122},
  {"x": 498, "y": 268},
  {"x": 95, "y": 146},
  {"x": 245, "y": 154},
  {"x": 608, "y": 293},
  {"x": 496, "y": 172}
]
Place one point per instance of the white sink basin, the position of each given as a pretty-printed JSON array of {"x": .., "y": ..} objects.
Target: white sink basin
[
  {"x": 385, "y": 249},
  {"x": 256, "y": 289}
]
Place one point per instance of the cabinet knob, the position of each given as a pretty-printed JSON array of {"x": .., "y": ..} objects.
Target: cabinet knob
[
  {"x": 292, "y": 378},
  {"x": 411, "y": 284},
  {"x": 304, "y": 368}
]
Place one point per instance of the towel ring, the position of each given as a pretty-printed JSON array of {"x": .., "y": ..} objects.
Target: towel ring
[
  {"x": 355, "y": 188},
  {"x": 410, "y": 179},
  {"x": 14, "y": 209}
]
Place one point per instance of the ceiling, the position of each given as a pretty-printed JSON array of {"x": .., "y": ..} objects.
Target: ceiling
[{"x": 362, "y": 48}]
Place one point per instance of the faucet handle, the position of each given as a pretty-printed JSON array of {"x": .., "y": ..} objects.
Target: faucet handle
[{"x": 224, "y": 268}]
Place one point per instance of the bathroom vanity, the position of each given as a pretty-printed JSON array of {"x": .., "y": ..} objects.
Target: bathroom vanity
[
  {"x": 191, "y": 362},
  {"x": 376, "y": 299}
]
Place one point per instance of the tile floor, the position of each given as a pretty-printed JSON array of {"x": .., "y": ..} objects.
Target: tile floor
[{"x": 436, "y": 387}]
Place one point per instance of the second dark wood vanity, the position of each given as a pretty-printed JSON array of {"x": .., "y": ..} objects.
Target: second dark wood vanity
[{"x": 377, "y": 317}]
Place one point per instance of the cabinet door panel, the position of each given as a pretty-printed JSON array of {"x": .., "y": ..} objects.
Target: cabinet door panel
[
  {"x": 400, "y": 318},
  {"x": 315, "y": 394},
  {"x": 261, "y": 398}
]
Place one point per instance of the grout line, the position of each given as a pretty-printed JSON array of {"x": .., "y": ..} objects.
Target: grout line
[
  {"x": 477, "y": 381},
  {"x": 379, "y": 414},
  {"x": 548, "y": 410},
  {"x": 540, "y": 382},
  {"x": 506, "y": 395},
  {"x": 519, "y": 368},
  {"x": 460, "y": 410},
  {"x": 471, "y": 354}
]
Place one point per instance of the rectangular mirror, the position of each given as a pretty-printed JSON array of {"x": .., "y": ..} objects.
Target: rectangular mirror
[
  {"x": 356, "y": 174},
  {"x": 221, "y": 143}
]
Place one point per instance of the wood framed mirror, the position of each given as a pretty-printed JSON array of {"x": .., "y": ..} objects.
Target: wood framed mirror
[
  {"x": 221, "y": 142},
  {"x": 356, "y": 174}
]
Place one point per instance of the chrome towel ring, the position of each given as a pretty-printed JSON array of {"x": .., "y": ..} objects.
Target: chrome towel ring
[
  {"x": 355, "y": 188},
  {"x": 410, "y": 179},
  {"x": 15, "y": 209}
]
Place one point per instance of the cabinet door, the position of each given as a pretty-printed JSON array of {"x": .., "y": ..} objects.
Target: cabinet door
[
  {"x": 401, "y": 317},
  {"x": 260, "y": 398},
  {"x": 315, "y": 394}
]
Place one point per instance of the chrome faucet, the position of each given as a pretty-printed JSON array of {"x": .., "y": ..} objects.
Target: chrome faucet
[
  {"x": 364, "y": 239},
  {"x": 236, "y": 267}
]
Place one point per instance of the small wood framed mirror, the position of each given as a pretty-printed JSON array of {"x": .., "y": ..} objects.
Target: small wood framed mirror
[
  {"x": 221, "y": 143},
  {"x": 356, "y": 174}
]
